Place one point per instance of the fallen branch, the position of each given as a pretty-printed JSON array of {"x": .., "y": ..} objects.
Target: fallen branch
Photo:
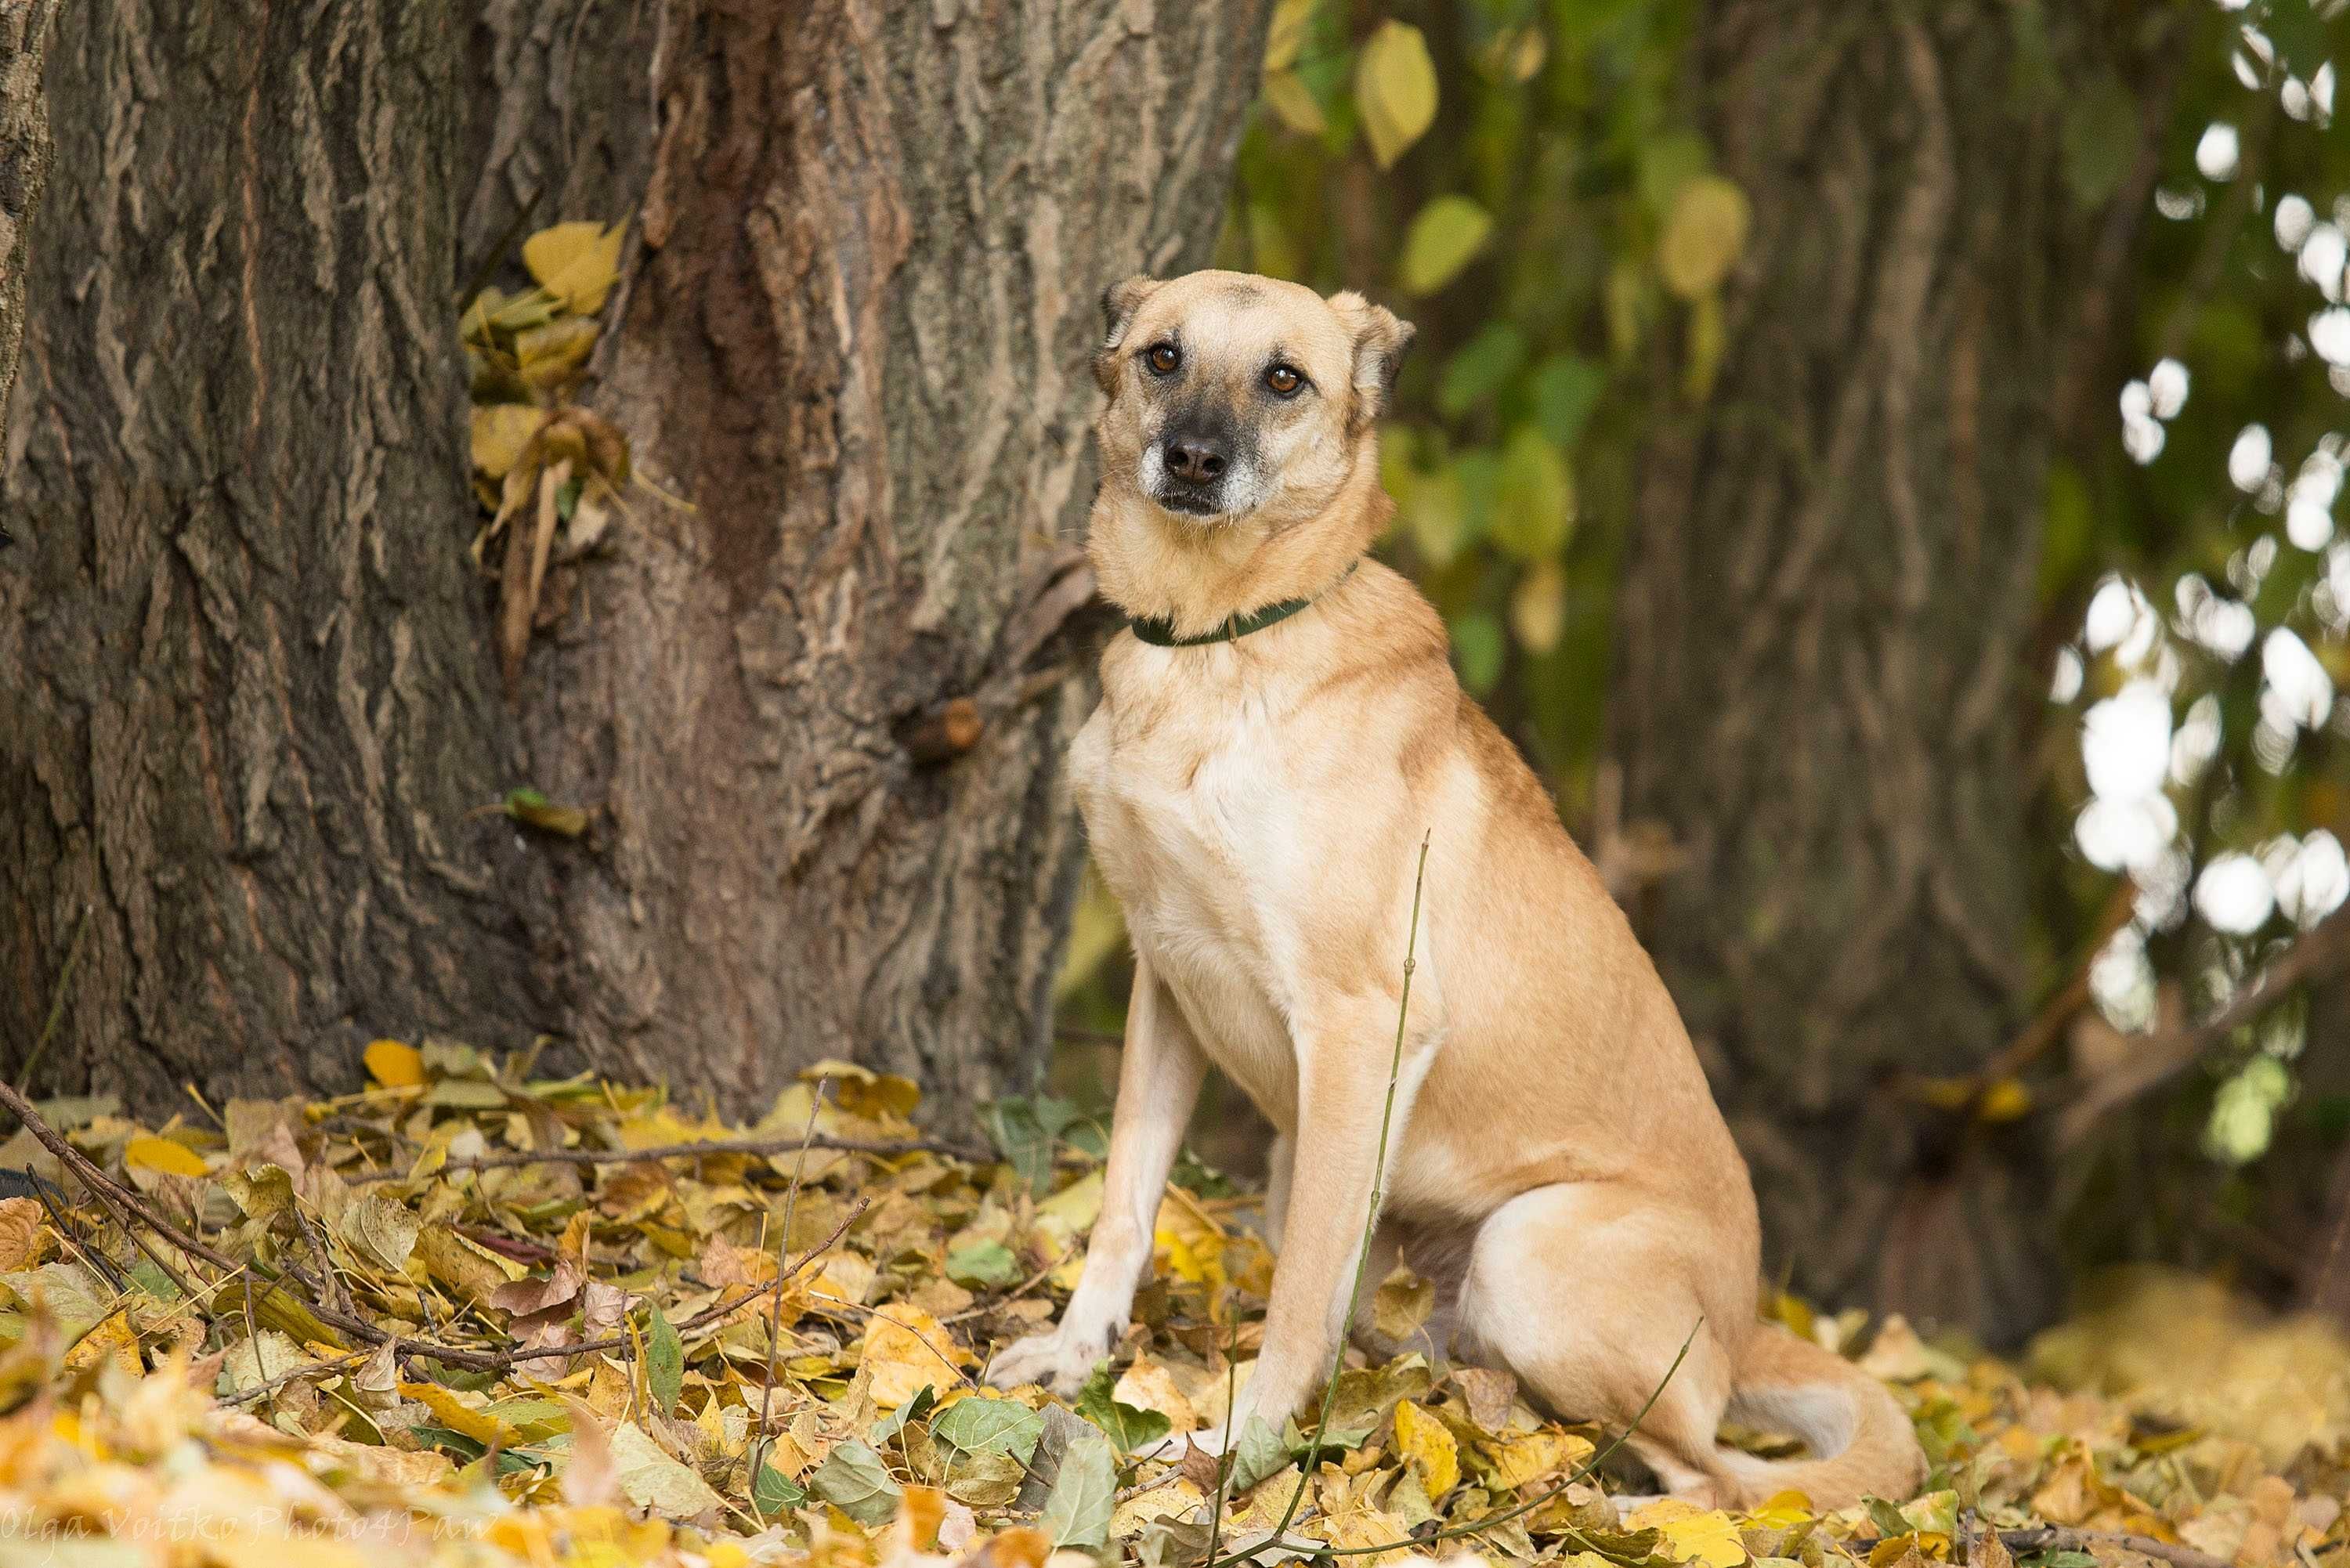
[
  {"x": 135, "y": 1213},
  {"x": 2318, "y": 952},
  {"x": 2052, "y": 1537},
  {"x": 760, "y": 1146}
]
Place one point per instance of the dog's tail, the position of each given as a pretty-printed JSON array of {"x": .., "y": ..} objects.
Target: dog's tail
[{"x": 1866, "y": 1445}]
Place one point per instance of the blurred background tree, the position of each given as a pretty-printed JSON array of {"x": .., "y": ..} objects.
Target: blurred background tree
[{"x": 1879, "y": 462}]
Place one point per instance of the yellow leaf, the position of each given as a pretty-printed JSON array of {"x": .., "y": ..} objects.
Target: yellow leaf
[
  {"x": 550, "y": 354},
  {"x": 1286, "y": 34},
  {"x": 1286, "y": 95},
  {"x": 391, "y": 1064},
  {"x": 1395, "y": 84},
  {"x": 148, "y": 1152},
  {"x": 1703, "y": 235},
  {"x": 577, "y": 263},
  {"x": 1521, "y": 1459},
  {"x": 1691, "y": 1534},
  {"x": 1784, "y": 1511},
  {"x": 2004, "y": 1101},
  {"x": 907, "y": 1350},
  {"x": 452, "y": 1412},
  {"x": 501, "y": 433},
  {"x": 1538, "y": 607},
  {"x": 1444, "y": 237},
  {"x": 1429, "y": 1447}
]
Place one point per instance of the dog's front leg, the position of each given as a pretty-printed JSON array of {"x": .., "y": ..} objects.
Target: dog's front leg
[
  {"x": 1342, "y": 1094},
  {"x": 1157, "y": 1083}
]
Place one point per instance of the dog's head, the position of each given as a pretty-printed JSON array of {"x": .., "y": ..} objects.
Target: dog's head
[{"x": 1235, "y": 398}]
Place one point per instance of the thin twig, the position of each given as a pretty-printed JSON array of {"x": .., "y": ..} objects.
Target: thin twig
[
  {"x": 308, "y": 1369},
  {"x": 2052, "y": 1537},
  {"x": 887, "y": 1147},
  {"x": 776, "y": 1302},
  {"x": 2315, "y": 954}
]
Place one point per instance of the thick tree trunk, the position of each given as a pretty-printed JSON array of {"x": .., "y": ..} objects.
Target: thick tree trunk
[
  {"x": 854, "y": 340},
  {"x": 23, "y": 168},
  {"x": 252, "y": 706},
  {"x": 246, "y": 709},
  {"x": 1818, "y": 685}
]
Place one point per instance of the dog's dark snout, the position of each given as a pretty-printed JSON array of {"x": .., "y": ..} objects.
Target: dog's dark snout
[{"x": 1197, "y": 459}]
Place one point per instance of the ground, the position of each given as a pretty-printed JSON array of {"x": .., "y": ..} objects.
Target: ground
[{"x": 469, "y": 1316}]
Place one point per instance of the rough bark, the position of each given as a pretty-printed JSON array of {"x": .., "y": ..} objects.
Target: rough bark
[
  {"x": 854, "y": 340},
  {"x": 247, "y": 708},
  {"x": 24, "y": 169},
  {"x": 1818, "y": 684}
]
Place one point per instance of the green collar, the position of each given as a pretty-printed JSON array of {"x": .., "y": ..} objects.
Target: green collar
[{"x": 1159, "y": 632}]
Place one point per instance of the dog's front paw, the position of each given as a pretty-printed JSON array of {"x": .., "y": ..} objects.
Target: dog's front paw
[{"x": 1051, "y": 1360}]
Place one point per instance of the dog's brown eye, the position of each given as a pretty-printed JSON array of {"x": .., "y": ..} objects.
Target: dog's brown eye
[
  {"x": 1165, "y": 357},
  {"x": 1282, "y": 379}
]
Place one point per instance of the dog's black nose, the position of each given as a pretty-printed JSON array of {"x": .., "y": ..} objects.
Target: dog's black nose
[{"x": 1196, "y": 460}]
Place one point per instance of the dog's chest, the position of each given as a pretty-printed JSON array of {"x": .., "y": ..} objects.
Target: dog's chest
[{"x": 1186, "y": 808}]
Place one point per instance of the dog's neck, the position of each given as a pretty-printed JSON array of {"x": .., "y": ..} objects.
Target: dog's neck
[{"x": 1198, "y": 573}]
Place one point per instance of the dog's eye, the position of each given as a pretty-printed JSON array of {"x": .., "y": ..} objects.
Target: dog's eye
[
  {"x": 1284, "y": 380},
  {"x": 1165, "y": 357}
]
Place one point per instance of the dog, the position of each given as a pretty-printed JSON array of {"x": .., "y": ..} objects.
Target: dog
[{"x": 1279, "y": 731}]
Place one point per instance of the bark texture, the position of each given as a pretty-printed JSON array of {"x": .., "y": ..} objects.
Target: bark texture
[
  {"x": 1817, "y": 688},
  {"x": 247, "y": 708},
  {"x": 854, "y": 342},
  {"x": 24, "y": 169}
]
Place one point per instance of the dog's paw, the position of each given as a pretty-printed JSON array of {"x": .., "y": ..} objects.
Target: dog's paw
[{"x": 1050, "y": 1360}]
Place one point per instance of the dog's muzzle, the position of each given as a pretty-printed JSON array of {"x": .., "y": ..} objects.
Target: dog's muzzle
[{"x": 1190, "y": 471}]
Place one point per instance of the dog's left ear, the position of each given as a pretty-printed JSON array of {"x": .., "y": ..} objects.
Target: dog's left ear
[
  {"x": 1379, "y": 342},
  {"x": 1120, "y": 301}
]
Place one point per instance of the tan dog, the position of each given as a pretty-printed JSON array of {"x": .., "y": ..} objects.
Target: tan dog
[{"x": 1257, "y": 804}]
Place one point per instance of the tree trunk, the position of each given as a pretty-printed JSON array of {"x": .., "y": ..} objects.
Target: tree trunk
[
  {"x": 247, "y": 710},
  {"x": 24, "y": 169},
  {"x": 854, "y": 340},
  {"x": 1818, "y": 683},
  {"x": 257, "y": 701}
]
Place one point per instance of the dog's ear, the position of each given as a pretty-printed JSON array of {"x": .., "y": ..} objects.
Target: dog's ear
[
  {"x": 1379, "y": 342},
  {"x": 1118, "y": 303}
]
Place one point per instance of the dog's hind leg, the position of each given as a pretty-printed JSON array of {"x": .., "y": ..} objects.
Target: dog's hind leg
[{"x": 1582, "y": 1290}]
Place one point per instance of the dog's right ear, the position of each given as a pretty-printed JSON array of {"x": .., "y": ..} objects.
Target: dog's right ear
[{"x": 1119, "y": 302}]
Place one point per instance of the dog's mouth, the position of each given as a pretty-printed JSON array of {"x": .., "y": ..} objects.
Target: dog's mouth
[{"x": 1190, "y": 501}]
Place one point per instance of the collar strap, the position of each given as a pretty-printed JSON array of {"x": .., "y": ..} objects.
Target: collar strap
[{"x": 1159, "y": 631}]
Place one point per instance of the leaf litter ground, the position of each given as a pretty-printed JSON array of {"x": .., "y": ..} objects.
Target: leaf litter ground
[{"x": 471, "y": 1316}]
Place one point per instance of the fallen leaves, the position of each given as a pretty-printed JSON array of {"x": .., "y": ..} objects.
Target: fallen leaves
[{"x": 607, "y": 1394}]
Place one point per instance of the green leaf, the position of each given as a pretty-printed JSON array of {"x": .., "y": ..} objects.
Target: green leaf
[
  {"x": 1478, "y": 648},
  {"x": 1024, "y": 1129},
  {"x": 1444, "y": 237},
  {"x": 535, "y": 810},
  {"x": 1482, "y": 368},
  {"x": 2100, "y": 138},
  {"x": 1128, "y": 1428},
  {"x": 925, "y": 1399},
  {"x": 1260, "y": 1452},
  {"x": 1566, "y": 387},
  {"x": 1078, "y": 1509},
  {"x": 982, "y": 1265},
  {"x": 1395, "y": 84},
  {"x": 852, "y": 1480},
  {"x": 980, "y": 1425},
  {"x": 1535, "y": 508},
  {"x": 775, "y": 1491},
  {"x": 1666, "y": 164},
  {"x": 664, "y": 1361}
]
